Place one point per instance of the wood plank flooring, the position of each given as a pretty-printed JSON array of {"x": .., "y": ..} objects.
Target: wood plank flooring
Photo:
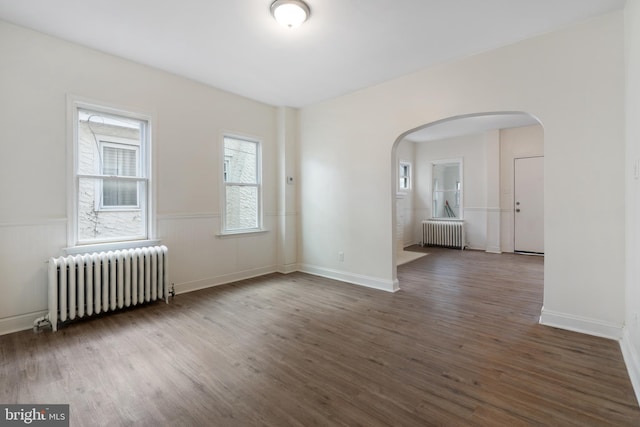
[{"x": 459, "y": 345}]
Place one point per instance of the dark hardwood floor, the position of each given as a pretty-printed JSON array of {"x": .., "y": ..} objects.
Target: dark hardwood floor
[{"x": 459, "y": 345}]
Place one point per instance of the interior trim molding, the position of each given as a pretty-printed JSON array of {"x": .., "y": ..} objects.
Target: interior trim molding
[
  {"x": 34, "y": 223},
  {"x": 631, "y": 360},
  {"x": 482, "y": 209},
  {"x": 580, "y": 324},
  {"x": 22, "y": 322},
  {"x": 205, "y": 215},
  {"x": 288, "y": 268},
  {"x": 351, "y": 278},
  {"x": 195, "y": 215},
  {"x": 223, "y": 279}
]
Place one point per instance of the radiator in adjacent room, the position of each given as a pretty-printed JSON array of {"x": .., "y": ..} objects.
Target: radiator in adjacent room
[
  {"x": 90, "y": 284},
  {"x": 448, "y": 234}
]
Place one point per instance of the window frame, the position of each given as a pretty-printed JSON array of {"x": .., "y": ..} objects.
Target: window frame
[
  {"x": 124, "y": 144},
  {"x": 224, "y": 184},
  {"x": 146, "y": 192},
  {"x": 458, "y": 192},
  {"x": 402, "y": 165}
]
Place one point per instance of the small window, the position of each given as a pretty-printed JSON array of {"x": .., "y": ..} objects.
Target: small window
[
  {"x": 242, "y": 185},
  {"x": 110, "y": 176},
  {"x": 405, "y": 176},
  {"x": 225, "y": 170}
]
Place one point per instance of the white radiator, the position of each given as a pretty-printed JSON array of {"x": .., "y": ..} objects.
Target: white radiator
[
  {"x": 89, "y": 284},
  {"x": 448, "y": 234}
]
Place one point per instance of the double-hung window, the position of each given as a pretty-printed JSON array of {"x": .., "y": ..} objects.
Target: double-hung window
[
  {"x": 111, "y": 184},
  {"x": 447, "y": 197},
  {"x": 404, "y": 183},
  {"x": 242, "y": 185}
]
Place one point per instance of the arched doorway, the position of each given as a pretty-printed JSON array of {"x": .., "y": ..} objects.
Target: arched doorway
[{"x": 493, "y": 141}]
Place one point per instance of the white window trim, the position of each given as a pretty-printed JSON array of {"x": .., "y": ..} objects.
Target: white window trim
[
  {"x": 409, "y": 177},
  {"x": 74, "y": 103},
  {"x": 223, "y": 187},
  {"x": 105, "y": 247}
]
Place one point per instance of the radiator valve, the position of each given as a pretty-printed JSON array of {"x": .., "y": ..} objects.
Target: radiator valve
[{"x": 37, "y": 324}]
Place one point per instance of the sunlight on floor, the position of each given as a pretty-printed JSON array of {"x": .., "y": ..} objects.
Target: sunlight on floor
[{"x": 407, "y": 256}]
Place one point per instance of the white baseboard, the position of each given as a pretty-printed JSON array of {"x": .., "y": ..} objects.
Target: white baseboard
[
  {"x": 182, "y": 288},
  {"x": 411, "y": 243},
  {"x": 475, "y": 248},
  {"x": 288, "y": 268},
  {"x": 632, "y": 361},
  {"x": 22, "y": 322},
  {"x": 580, "y": 324},
  {"x": 493, "y": 250},
  {"x": 355, "y": 279}
]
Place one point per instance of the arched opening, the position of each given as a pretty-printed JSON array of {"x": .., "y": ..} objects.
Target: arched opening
[{"x": 486, "y": 146}]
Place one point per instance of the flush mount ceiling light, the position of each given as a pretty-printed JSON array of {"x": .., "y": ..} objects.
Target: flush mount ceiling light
[{"x": 290, "y": 13}]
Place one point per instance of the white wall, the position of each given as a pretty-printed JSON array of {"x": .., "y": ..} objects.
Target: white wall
[
  {"x": 37, "y": 73},
  {"x": 571, "y": 80},
  {"x": 631, "y": 338},
  {"x": 515, "y": 143}
]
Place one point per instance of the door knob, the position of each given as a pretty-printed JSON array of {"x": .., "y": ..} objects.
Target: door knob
[
  {"x": 517, "y": 203},
  {"x": 517, "y": 210}
]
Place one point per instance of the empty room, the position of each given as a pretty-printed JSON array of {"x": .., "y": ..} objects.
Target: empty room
[{"x": 320, "y": 213}]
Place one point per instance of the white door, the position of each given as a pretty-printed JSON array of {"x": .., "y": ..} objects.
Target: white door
[{"x": 529, "y": 205}]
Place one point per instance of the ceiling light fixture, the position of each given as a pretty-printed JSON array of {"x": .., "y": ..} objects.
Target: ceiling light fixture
[{"x": 290, "y": 13}]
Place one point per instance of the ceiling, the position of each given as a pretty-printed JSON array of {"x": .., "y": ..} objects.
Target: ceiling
[
  {"x": 470, "y": 124},
  {"x": 345, "y": 46}
]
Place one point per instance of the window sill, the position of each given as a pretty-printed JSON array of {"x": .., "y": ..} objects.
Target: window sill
[
  {"x": 241, "y": 233},
  {"x": 119, "y": 209},
  {"x": 112, "y": 246}
]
